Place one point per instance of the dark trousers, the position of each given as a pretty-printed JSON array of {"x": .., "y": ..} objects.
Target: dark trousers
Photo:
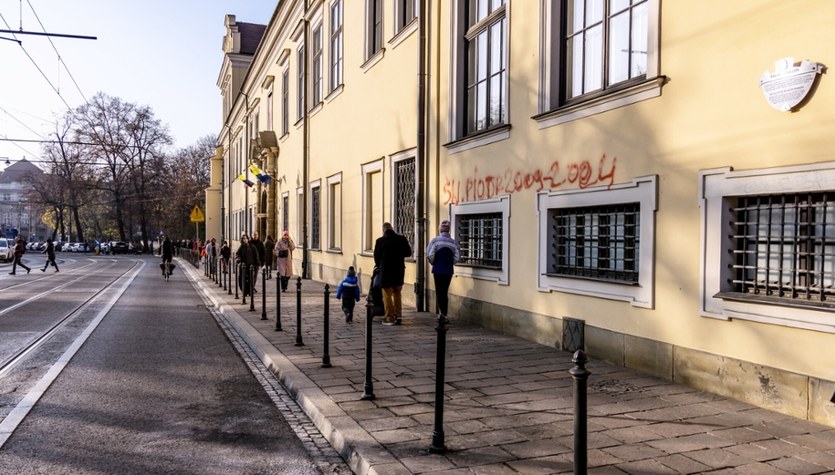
[
  {"x": 348, "y": 303},
  {"x": 19, "y": 262},
  {"x": 442, "y": 282},
  {"x": 284, "y": 282},
  {"x": 50, "y": 261}
]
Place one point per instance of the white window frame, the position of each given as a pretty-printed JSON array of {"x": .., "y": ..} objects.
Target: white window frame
[
  {"x": 336, "y": 41},
  {"x": 500, "y": 204},
  {"x": 643, "y": 190},
  {"x": 301, "y": 100},
  {"x": 552, "y": 113},
  {"x": 393, "y": 159},
  {"x": 285, "y": 195},
  {"x": 459, "y": 139},
  {"x": 334, "y": 241},
  {"x": 300, "y": 217},
  {"x": 370, "y": 39},
  {"x": 316, "y": 184},
  {"x": 715, "y": 187},
  {"x": 317, "y": 73},
  {"x": 403, "y": 30},
  {"x": 377, "y": 166}
]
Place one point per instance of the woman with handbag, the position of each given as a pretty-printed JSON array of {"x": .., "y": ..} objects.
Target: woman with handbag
[{"x": 284, "y": 259}]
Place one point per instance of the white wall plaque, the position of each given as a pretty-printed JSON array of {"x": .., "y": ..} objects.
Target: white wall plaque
[{"x": 789, "y": 83}]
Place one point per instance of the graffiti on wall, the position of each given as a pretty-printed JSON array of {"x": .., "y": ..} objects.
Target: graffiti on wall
[{"x": 481, "y": 186}]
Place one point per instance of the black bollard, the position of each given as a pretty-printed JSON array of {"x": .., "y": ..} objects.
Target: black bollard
[
  {"x": 438, "y": 446},
  {"x": 277, "y": 304},
  {"x": 229, "y": 274},
  {"x": 252, "y": 274},
  {"x": 581, "y": 376},
  {"x": 326, "y": 356},
  {"x": 299, "y": 341},
  {"x": 263, "y": 293},
  {"x": 368, "y": 389},
  {"x": 237, "y": 274}
]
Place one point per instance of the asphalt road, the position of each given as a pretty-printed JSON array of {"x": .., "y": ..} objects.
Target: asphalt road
[{"x": 157, "y": 388}]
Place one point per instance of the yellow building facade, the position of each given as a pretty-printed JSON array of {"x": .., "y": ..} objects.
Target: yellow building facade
[{"x": 652, "y": 181}]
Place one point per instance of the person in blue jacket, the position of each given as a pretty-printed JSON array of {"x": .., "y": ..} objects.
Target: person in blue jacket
[
  {"x": 349, "y": 291},
  {"x": 443, "y": 253}
]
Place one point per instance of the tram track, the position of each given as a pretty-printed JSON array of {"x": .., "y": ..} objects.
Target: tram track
[{"x": 10, "y": 361}]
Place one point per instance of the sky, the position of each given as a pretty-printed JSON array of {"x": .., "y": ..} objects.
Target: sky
[{"x": 165, "y": 54}]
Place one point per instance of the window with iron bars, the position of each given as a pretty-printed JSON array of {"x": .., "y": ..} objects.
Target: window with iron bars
[
  {"x": 480, "y": 237},
  {"x": 597, "y": 242},
  {"x": 315, "y": 218},
  {"x": 784, "y": 248},
  {"x": 404, "y": 189}
]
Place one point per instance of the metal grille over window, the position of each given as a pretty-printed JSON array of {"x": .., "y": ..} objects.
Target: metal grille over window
[
  {"x": 480, "y": 236},
  {"x": 404, "y": 219},
  {"x": 784, "y": 247},
  {"x": 597, "y": 242},
  {"x": 315, "y": 218}
]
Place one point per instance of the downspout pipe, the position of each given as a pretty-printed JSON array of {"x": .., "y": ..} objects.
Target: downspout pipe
[
  {"x": 249, "y": 220},
  {"x": 421, "y": 296},
  {"x": 306, "y": 151}
]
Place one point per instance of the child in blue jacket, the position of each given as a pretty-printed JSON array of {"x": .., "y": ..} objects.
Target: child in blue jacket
[{"x": 349, "y": 292}]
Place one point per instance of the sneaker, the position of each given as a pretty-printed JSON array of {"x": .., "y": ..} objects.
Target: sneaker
[
  {"x": 11, "y": 273},
  {"x": 43, "y": 270},
  {"x": 398, "y": 321},
  {"x": 388, "y": 321},
  {"x": 28, "y": 270}
]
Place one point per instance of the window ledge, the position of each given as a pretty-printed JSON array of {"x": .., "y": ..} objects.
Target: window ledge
[
  {"x": 315, "y": 109},
  {"x": 374, "y": 59},
  {"x": 624, "y": 97},
  {"x": 336, "y": 91},
  {"x": 404, "y": 33},
  {"x": 479, "y": 139}
]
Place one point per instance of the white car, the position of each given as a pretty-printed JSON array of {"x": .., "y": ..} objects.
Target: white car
[{"x": 6, "y": 250}]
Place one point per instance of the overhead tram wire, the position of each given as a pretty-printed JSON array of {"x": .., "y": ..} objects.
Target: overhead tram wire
[
  {"x": 14, "y": 34},
  {"x": 66, "y": 68}
]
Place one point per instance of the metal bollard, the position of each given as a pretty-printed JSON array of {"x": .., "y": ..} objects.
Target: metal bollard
[
  {"x": 441, "y": 327},
  {"x": 368, "y": 387},
  {"x": 252, "y": 274},
  {"x": 277, "y": 304},
  {"x": 581, "y": 376},
  {"x": 263, "y": 293},
  {"x": 229, "y": 274},
  {"x": 326, "y": 356},
  {"x": 299, "y": 341},
  {"x": 237, "y": 273}
]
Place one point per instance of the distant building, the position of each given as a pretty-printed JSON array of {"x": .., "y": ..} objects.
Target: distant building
[
  {"x": 652, "y": 181},
  {"x": 17, "y": 213}
]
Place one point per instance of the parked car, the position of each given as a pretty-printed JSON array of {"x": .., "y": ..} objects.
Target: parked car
[
  {"x": 118, "y": 247},
  {"x": 6, "y": 250}
]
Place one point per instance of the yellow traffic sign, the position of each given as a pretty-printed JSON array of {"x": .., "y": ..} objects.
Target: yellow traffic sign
[{"x": 197, "y": 215}]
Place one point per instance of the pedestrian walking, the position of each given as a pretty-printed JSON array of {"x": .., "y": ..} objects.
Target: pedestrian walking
[
  {"x": 284, "y": 259},
  {"x": 19, "y": 251},
  {"x": 443, "y": 253},
  {"x": 269, "y": 255},
  {"x": 50, "y": 256},
  {"x": 248, "y": 256},
  {"x": 259, "y": 248},
  {"x": 225, "y": 255},
  {"x": 390, "y": 253},
  {"x": 349, "y": 291}
]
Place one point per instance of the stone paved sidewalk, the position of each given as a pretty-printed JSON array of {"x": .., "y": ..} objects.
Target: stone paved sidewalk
[{"x": 508, "y": 402}]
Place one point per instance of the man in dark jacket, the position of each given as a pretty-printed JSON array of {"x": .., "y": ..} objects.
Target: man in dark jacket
[
  {"x": 259, "y": 248},
  {"x": 248, "y": 256},
  {"x": 390, "y": 252},
  {"x": 19, "y": 250}
]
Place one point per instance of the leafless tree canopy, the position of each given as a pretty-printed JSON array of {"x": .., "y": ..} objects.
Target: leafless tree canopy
[{"x": 110, "y": 174}]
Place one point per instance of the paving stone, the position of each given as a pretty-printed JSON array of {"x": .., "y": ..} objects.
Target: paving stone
[
  {"x": 797, "y": 466},
  {"x": 508, "y": 406}
]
